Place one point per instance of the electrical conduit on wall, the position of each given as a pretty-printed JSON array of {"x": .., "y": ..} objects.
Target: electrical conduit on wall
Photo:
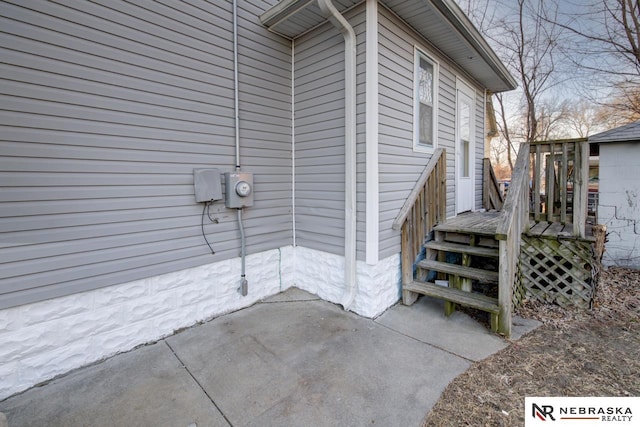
[
  {"x": 347, "y": 31},
  {"x": 243, "y": 289}
]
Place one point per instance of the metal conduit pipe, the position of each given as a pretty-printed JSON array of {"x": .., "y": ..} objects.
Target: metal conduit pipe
[
  {"x": 244, "y": 285},
  {"x": 236, "y": 108},
  {"x": 339, "y": 21}
]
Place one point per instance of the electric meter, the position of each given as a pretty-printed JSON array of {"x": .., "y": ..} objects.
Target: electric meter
[
  {"x": 243, "y": 188},
  {"x": 238, "y": 189}
]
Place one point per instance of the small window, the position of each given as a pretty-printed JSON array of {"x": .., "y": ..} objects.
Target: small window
[
  {"x": 465, "y": 138},
  {"x": 425, "y": 102}
]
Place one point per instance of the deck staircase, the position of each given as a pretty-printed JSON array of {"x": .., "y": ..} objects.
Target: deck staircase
[
  {"x": 474, "y": 259},
  {"x": 460, "y": 265}
]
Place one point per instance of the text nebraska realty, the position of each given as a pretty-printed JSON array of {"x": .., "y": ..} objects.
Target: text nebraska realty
[
  {"x": 610, "y": 413},
  {"x": 606, "y": 414}
]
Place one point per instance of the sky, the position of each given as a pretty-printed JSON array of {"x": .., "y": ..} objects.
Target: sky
[{"x": 569, "y": 82}]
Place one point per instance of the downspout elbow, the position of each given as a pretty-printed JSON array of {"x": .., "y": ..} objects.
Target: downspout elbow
[{"x": 340, "y": 22}]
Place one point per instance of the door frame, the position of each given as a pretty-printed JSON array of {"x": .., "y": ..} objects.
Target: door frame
[{"x": 465, "y": 186}]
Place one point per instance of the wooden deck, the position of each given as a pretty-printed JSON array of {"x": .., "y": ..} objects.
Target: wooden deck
[
  {"x": 556, "y": 229},
  {"x": 550, "y": 256},
  {"x": 483, "y": 223}
]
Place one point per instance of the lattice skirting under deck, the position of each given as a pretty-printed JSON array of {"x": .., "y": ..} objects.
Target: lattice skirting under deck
[
  {"x": 519, "y": 290},
  {"x": 558, "y": 270}
]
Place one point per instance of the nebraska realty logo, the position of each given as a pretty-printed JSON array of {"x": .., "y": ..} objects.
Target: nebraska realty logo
[{"x": 582, "y": 411}]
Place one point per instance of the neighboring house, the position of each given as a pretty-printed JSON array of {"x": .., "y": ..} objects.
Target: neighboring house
[
  {"x": 108, "y": 107},
  {"x": 619, "y": 198}
]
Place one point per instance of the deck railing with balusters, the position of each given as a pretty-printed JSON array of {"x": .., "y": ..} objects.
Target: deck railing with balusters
[
  {"x": 509, "y": 231},
  {"x": 559, "y": 182},
  {"x": 424, "y": 208}
]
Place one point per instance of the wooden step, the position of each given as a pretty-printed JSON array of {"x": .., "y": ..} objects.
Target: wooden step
[
  {"x": 468, "y": 299},
  {"x": 460, "y": 270},
  {"x": 463, "y": 249}
]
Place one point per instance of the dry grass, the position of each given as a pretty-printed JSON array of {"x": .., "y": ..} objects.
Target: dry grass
[{"x": 574, "y": 353}]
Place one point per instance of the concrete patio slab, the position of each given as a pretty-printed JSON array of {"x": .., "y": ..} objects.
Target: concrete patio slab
[
  {"x": 144, "y": 387},
  {"x": 521, "y": 327},
  {"x": 311, "y": 363},
  {"x": 458, "y": 334},
  {"x": 292, "y": 294},
  {"x": 293, "y": 360}
]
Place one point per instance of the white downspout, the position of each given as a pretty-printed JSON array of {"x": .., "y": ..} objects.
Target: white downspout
[{"x": 341, "y": 23}]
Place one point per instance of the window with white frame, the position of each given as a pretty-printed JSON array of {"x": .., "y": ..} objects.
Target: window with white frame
[{"x": 425, "y": 102}]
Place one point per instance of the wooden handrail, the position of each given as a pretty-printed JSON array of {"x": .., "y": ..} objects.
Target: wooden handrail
[
  {"x": 509, "y": 230},
  {"x": 492, "y": 197},
  {"x": 519, "y": 185},
  {"x": 413, "y": 196},
  {"x": 424, "y": 208}
]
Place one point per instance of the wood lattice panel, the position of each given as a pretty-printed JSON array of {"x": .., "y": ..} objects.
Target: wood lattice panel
[
  {"x": 557, "y": 270},
  {"x": 519, "y": 289}
]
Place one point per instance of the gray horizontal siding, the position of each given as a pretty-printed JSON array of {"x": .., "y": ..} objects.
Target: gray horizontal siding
[
  {"x": 319, "y": 140},
  {"x": 399, "y": 165},
  {"x": 106, "y": 109}
]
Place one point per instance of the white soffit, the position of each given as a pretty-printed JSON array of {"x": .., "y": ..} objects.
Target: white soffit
[{"x": 441, "y": 22}]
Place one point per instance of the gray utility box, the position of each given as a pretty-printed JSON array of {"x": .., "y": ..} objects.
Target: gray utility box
[
  {"x": 238, "y": 189},
  {"x": 207, "y": 185}
]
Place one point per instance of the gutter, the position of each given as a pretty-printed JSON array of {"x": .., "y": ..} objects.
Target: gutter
[{"x": 339, "y": 21}]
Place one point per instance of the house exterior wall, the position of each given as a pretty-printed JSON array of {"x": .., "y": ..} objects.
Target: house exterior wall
[
  {"x": 48, "y": 338},
  {"x": 619, "y": 203},
  {"x": 400, "y": 166},
  {"x": 319, "y": 136},
  {"x": 322, "y": 273},
  {"x": 106, "y": 112}
]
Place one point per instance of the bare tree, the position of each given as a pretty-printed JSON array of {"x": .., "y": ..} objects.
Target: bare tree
[
  {"x": 553, "y": 115},
  {"x": 505, "y": 129},
  {"x": 606, "y": 36},
  {"x": 528, "y": 44},
  {"x": 584, "y": 118},
  {"x": 623, "y": 105},
  {"x": 605, "y": 46}
]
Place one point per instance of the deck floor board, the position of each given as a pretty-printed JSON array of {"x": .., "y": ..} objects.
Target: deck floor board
[{"x": 484, "y": 223}]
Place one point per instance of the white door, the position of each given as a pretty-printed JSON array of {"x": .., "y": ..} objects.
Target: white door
[{"x": 465, "y": 148}]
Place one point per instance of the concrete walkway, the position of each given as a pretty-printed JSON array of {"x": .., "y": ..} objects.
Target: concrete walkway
[{"x": 292, "y": 360}]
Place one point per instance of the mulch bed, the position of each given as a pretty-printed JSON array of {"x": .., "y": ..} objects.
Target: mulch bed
[{"x": 575, "y": 353}]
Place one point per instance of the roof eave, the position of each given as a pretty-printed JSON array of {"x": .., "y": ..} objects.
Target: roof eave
[
  {"x": 501, "y": 81},
  {"x": 281, "y": 11},
  {"x": 463, "y": 25}
]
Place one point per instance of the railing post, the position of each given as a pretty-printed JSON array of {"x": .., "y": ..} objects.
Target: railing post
[
  {"x": 580, "y": 188},
  {"x": 505, "y": 288},
  {"x": 537, "y": 168},
  {"x": 442, "y": 188},
  {"x": 550, "y": 189},
  {"x": 408, "y": 297}
]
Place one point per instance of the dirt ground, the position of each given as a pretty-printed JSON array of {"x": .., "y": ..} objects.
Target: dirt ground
[{"x": 574, "y": 353}]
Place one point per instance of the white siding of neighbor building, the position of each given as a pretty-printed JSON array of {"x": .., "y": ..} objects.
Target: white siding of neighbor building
[
  {"x": 106, "y": 110},
  {"x": 619, "y": 203},
  {"x": 319, "y": 137},
  {"x": 400, "y": 165}
]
